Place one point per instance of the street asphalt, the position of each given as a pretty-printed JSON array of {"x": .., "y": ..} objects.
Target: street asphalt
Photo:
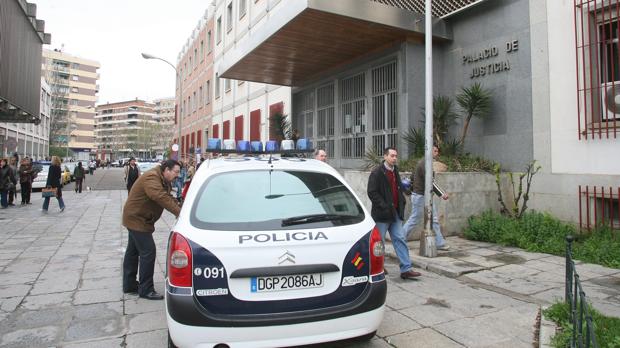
[{"x": 60, "y": 284}]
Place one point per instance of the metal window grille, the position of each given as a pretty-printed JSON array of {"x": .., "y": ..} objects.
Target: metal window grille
[
  {"x": 384, "y": 107},
  {"x": 325, "y": 110},
  {"x": 353, "y": 147},
  {"x": 353, "y": 113},
  {"x": 304, "y": 114},
  {"x": 599, "y": 206},
  {"x": 327, "y": 145},
  {"x": 598, "y": 68}
]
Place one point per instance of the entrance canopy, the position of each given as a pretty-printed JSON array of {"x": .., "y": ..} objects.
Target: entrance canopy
[{"x": 303, "y": 39}]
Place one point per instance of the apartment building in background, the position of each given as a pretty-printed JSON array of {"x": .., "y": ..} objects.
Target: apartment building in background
[
  {"x": 225, "y": 108},
  {"x": 165, "y": 117},
  {"x": 127, "y": 128},
  {"x": 74, "y": 86}
]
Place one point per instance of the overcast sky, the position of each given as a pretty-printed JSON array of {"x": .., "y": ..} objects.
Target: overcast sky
[{"x": 116, "y": 32}]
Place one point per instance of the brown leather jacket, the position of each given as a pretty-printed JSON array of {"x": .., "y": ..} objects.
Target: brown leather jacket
[{"x": 148, "y": 198}]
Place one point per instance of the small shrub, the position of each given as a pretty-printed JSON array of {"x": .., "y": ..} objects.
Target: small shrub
[
  {"x": 606, "y": 329},
  {"x": 541, "y": 232}
]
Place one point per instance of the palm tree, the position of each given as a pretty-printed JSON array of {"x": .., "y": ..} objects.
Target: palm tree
[
  {"x": 475, "y": 102},
  {"x": 280, "y": 126}
]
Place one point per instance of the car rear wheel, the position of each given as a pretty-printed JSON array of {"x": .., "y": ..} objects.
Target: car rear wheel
[{"x": 170, "y": 343}]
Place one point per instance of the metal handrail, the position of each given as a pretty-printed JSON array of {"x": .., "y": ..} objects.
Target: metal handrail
[{"x": 576, "y": 297}]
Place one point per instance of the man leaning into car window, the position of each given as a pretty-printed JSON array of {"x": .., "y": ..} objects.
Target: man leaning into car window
[
  {"x": 388, "y": 205},
  {"x": 148, "y": 197}
]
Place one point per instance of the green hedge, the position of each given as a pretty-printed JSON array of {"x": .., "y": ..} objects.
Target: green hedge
[
  {"x": 541, "y": 232},
  {"x": 606, "y": 329}
]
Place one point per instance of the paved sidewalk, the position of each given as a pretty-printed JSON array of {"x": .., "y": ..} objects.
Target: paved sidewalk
[
  {"x": 60, "y": 286},
  {"x": 532, "y": 277}
]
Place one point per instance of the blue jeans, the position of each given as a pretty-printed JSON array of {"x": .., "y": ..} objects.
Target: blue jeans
[
  {"x": 398, "y": 241},
  {"x": 417, "y": 211},
  {"x": 3, "y": 199},
  {"x": 46, "y": 202}
]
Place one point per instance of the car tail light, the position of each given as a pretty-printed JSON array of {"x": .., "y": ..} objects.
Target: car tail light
[
  {"x": 179, "y": 261},
  {"x": 377, "y": 252}
]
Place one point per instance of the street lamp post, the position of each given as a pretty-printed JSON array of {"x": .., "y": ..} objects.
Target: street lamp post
[{"x": 180, "y": 109}]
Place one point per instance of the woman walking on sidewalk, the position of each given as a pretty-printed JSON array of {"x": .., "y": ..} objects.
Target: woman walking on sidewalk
[{"x": 53, "y": 180}]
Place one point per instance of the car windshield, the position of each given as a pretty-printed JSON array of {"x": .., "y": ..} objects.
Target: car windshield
[{"x": 260, "y": 200}]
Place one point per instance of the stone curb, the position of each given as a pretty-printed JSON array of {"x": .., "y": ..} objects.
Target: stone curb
[{"x": 547, "y": 330}]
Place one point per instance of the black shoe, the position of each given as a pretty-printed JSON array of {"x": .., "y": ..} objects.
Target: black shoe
[
  {"x": 410, "y": 274},
  {"x": 153, "y": 295},
  {"x": 131, "y": 292}
]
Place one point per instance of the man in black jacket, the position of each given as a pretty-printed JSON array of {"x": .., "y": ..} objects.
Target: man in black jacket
[{"x": 388, "y": 206}]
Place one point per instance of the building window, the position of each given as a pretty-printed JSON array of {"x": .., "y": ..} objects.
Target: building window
[
  {"x": 599, "y": 206},
  {"x": 255, "y": 125},
  {"x": 75, "y": 90},
  {"x": 218, "y": 30},
  {"x": 75, "y": 78},
  {"x": 303, "y": 122},
  {"x": 325, "y": 118},
  {"x": 202, "y": 51},
  {"x": 201, "y": 100},
  {"x": 229, "y": 17},
  {"x": 384, "y": 107},
  {"x": 217, "y": 86},
  {"x": 353, "y": 113},
  {"x": 195, "y": 57},
  {"x": 598, "y": 69},
  {"x": 243, "y": 4},
  {"x": 194, "y": 102},
  {"x": 191, "y": 67},
  {"x": 209, "y": 41},
  {"x": 208, "y": 99},
  {"x": 226, "y": 130},
  {"x": 227, "y": 85},
  {"x": 239, "y": 128}
]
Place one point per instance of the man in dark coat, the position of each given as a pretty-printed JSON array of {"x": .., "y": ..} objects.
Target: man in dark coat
[
  {"x": 148, "y": 198},
  {"x": 132, "y": 173},
  {"x": 388, "y": 205}
]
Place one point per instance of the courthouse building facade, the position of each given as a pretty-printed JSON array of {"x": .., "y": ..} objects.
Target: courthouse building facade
[{"x": 356, "y": 68}]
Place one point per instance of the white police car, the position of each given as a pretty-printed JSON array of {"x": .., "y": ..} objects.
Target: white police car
[{"x": 272, "y": 251}]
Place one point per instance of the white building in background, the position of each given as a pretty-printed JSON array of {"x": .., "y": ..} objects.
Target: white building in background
[
  {"x": 224, "y": 108},
  {"x": 164, "y": 115},
  {"x": 30, "y": 139}
]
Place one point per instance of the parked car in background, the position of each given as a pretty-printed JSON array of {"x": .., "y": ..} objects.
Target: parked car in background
[
  {"x": 65, "y": 177},
  {"x": 42, "y": 169},
  {"x": 70, "y": 166},
  {"x": 144, "y": 166}
]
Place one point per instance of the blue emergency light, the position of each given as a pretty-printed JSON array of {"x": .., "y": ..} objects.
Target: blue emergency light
[
  {"x": 243, "y": 146},
  {"x": 288, "y": 147},
  {"x": 272, "y": 146}
]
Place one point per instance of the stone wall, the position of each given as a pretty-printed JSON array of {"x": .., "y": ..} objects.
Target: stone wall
[{"x": 470, "y": 194}]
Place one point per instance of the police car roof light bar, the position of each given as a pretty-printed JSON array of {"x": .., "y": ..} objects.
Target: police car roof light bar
[{"x": 244, "y": 147}]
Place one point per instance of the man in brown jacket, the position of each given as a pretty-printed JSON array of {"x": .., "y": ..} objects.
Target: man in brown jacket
[{"x": 148, "y": 197}]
